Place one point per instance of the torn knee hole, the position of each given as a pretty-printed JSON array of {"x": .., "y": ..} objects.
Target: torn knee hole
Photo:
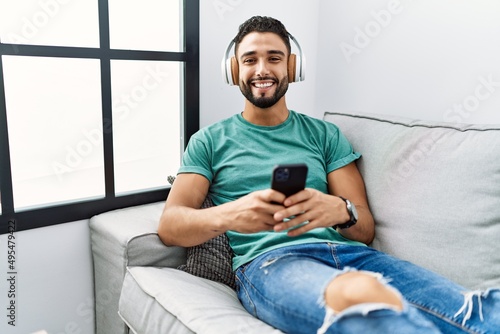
[{"x": 354, "y": 288}]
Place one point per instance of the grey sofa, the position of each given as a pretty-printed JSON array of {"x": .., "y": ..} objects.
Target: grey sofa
[{"x": 434, "y": 190}]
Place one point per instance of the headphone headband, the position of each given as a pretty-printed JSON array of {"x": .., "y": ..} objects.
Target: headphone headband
[{"x": 229, "y": 65}]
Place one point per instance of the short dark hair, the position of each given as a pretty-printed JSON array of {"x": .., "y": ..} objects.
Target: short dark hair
[{"x": 262, "y": 24}]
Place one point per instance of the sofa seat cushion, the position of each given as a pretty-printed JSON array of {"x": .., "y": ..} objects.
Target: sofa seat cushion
[
  {"x": 434, "y": 191},
  {"x": 167, "y": 300}
]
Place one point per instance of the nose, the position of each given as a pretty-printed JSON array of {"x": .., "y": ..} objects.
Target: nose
[{"x": 262, "y": 68}]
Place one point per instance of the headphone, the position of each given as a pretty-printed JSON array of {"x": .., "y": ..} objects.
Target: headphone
[{"x": 296, "y": 65}]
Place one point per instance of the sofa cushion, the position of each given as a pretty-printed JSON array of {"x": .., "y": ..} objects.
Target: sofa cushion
[
  {"x": 434, "y": 191},
  {"x": 167, "y": 300},
  {"x": 210, "y": 260}
]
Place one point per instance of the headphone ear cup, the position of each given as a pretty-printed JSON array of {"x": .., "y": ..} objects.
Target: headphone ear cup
[
  {"x": 292, "y": 67},
  {"x": 235, "y": 73}
]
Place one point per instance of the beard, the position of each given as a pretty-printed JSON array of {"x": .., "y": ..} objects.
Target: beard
[{"x": 264, "y": 102}]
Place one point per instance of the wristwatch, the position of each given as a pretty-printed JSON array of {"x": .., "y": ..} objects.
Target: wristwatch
[{"x": 353, "y": 215}]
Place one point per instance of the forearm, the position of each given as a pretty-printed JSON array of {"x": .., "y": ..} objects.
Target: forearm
[
  {"x": 186, "y": 227},
  {"x": 348, "y": 183},
  {"x": 364, "y": 230}
]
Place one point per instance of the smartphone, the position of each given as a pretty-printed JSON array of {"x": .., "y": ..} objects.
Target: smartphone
[{"x": 289, "y": 178}]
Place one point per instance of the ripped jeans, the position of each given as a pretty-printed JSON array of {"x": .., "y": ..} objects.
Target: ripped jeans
[{"x": 285, "y": 288}]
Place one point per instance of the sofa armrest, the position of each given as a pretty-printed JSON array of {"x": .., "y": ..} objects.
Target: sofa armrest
[{"x": 122, "y": 238}]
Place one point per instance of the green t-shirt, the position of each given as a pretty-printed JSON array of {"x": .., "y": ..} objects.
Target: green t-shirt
[{"x": 237, "y": 157}]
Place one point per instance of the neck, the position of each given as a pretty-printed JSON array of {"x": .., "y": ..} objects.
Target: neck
[{"x": 271, "y": 116}]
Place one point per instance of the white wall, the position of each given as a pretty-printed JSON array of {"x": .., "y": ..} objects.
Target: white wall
[
  {"x": 54, "y": 282},
  {"x": 424, "y": 59}
]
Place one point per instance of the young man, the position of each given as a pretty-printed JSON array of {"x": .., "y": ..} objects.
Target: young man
[{"x": 301, "y": 277}]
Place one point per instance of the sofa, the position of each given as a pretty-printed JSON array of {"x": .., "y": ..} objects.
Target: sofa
[{"x": 434, "y": 191}]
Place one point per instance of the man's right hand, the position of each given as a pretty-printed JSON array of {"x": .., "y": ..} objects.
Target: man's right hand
[{"x": 253, "y": 212}]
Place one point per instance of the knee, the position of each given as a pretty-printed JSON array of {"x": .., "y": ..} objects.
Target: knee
[{"x": 354, "y": 288}]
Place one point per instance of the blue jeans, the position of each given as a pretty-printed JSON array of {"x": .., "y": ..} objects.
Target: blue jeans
[{"x": 285, "y": 288}]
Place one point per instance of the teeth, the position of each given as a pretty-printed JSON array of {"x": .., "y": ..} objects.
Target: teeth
[{"x": 263, "y": 85}]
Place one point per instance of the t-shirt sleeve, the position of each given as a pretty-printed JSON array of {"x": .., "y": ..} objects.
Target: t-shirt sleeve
[
  {"x": 197, "y": 157},
  {"x": 339, "y": 151}
]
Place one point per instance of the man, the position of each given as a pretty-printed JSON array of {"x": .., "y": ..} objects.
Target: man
[{"x": 312, "y": 272}]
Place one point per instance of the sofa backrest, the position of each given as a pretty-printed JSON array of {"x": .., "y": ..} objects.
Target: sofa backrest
[{"x": 434, "y": 191}]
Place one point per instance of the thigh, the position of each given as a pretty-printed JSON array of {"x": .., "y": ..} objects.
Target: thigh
[
  {"x": 411, "y": 280},
  {"x": 285, "y": 288}
]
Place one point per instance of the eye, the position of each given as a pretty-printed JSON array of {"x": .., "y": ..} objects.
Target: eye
[
  {"x": 249, "y": 61},
  {"x": 274, "y": 59}
]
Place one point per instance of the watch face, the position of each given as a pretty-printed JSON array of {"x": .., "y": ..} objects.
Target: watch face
[
  {"x": 354, "y": 212},
  {"x": 353, "y": 215}
]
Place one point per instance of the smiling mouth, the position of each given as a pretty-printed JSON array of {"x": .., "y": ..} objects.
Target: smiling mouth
[{"x": 263, "y": 83}]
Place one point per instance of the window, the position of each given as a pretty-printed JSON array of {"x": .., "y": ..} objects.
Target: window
[{"x": 97, "y": 101}]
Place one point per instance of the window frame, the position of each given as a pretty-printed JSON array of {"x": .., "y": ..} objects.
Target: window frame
[{"x": 80, "y": 210}]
